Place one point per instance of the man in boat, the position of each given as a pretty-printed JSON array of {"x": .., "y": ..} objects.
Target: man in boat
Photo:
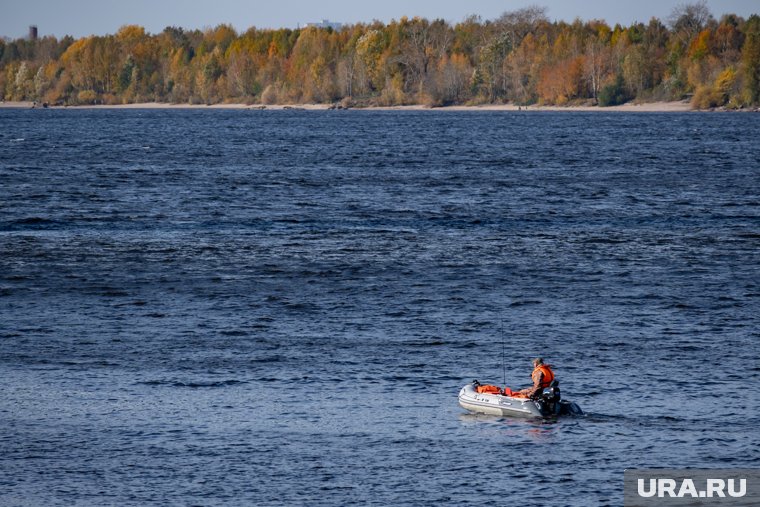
[{"x": 542, "y": 377}]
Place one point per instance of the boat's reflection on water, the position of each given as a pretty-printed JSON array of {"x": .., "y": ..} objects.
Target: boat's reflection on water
[{"x": 530, "y": 428}]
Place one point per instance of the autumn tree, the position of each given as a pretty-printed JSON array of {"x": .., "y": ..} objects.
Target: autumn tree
[
  {"x": 369, "y": 49},
  {"x": 241, "y": 71},
  {"x": 751, "y": 60},
  {"x": 598, "y": 58},
  {"x": 312, "y": 65},
  {"x": 687, "y": 20}
]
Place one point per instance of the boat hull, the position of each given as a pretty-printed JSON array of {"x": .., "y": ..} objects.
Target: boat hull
[
  {"x": 497, "y": 404},
  {"x": 501, "y": 405}
]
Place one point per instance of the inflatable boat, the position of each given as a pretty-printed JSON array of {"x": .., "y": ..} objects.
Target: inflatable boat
[{"x": 497, "y": 402}]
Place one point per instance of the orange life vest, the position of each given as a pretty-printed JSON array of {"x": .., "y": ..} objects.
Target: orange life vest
[{"x": 548, "y": 375}]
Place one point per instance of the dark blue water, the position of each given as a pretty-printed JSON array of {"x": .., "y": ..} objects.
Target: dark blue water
[{"x": 279, "y": 308}]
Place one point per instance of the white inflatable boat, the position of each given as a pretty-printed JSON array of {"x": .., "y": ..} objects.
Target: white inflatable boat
[{"x": 548, "y": 404}]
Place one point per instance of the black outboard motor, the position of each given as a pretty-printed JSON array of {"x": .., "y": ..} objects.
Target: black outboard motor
[{"x": 548, "y": 402}]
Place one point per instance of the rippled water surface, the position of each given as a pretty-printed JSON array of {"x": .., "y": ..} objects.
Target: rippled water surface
[{"x": 279, "y": 308}]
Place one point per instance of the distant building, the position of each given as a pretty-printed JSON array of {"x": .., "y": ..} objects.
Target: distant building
[
  {"x": 326, "y": 23},
  {"x": 32, "y": 32}
]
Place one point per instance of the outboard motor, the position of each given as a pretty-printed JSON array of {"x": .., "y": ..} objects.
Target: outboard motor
[{"x": 548, "y": 402}]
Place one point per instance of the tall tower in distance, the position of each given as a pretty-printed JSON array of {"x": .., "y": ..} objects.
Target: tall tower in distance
[{"x": 32, "y": 32}]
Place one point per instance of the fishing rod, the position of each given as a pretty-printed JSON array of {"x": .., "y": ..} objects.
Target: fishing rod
[{"x": 503, "y": 363}]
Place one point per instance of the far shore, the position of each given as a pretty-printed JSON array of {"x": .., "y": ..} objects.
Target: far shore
[{"x": 645, "y": 107}]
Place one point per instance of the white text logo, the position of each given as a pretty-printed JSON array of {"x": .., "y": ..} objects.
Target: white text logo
[{"x": 714, "y": 488}]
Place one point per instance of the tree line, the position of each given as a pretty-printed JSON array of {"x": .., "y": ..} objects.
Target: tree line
[{"x": 520, "y": 58}]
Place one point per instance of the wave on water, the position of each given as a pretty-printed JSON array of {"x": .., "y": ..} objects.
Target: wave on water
[{"x": 192, "y": 384}]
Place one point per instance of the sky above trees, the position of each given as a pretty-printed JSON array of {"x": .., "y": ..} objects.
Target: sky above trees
[{"x": 81, "y": 18}]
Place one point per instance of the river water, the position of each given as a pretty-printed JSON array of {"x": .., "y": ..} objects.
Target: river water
[{"x": 279, "y": 307}]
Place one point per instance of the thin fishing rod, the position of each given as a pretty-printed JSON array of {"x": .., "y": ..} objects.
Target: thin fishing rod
[{"x": 503, "y": 363}]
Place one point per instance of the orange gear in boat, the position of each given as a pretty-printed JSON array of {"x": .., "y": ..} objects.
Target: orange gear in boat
[{"x": 488, "y": 389}]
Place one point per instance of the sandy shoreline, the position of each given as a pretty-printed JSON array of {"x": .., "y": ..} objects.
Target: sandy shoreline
[{"x": 649, "y": 107}]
